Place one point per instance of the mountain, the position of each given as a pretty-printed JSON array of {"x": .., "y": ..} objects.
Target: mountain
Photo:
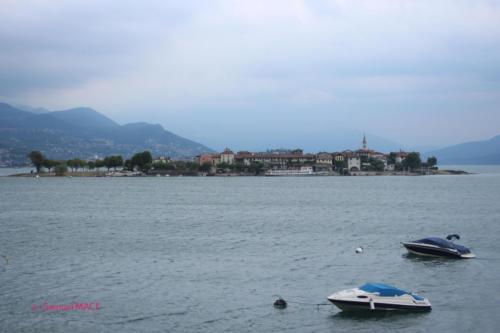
[
  {"x": 84, "y": 133},
  {"x": 478, "y": 152},
  {"x": 339, "y": 139},
  {"x": 84, "y": 117},
  {"x": 30, "y": 108},
  {"x": 311, "y": 140}
]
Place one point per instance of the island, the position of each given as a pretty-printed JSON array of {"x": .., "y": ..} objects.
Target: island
[{"x": 279, "y": 162}]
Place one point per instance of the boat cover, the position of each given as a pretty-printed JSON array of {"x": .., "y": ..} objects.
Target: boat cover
[
  {"x": 443, "y": 243},
  {"x": 382, "y": 289}
]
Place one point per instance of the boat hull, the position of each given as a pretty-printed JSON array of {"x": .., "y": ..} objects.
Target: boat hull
[
  {"x": 348, "y": 305},
  {"x": 378, "y": 296},
  {"x": 434, "y": 251}
]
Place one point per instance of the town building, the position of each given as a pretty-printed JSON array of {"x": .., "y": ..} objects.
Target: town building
[
  {"x": 281, "y": 159},
  {"x": 275, "y": 160},
  {"x": 212, "y": 159},
  {"x": 324, "y": 158},
  {"x": 353, "y": 163},
  {"x": 338, "y": 157},
  {"x": 161, "y": 159},
  {"x": 227, "y": 156}
]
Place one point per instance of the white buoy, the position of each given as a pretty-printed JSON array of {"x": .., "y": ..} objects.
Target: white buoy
[{"x": 359, "y": 250}]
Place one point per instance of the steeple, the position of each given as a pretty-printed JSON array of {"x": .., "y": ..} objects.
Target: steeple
[{"x": 364, "y": 141}]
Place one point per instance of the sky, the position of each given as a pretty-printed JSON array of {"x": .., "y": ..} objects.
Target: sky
[{"x": 263, "y": 73}]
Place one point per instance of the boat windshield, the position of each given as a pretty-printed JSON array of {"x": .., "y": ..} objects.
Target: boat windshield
[
  {"x": 382, "y": 289},
  {"x": 443, "y": 243}
]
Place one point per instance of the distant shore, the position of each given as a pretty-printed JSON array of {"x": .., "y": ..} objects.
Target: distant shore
[{"x": 195, "y": 174}]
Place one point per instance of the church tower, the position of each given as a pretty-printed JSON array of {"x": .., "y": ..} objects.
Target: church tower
[{"x": 364, "y": 142}]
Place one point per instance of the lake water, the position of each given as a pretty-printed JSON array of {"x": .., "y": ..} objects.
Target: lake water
[{"x": 209, "y": 254}]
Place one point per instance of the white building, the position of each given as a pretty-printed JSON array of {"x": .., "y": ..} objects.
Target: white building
[
  {"x": 353, "y": 163},
  {"x": 162, "y": 159}
]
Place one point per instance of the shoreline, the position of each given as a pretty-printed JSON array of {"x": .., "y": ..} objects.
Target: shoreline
[{"x": 114, "y": 174}]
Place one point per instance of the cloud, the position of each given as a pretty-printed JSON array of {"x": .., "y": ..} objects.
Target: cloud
[
  {"x": 352, "y": 63},
  {"x": 59, "y": 44}
]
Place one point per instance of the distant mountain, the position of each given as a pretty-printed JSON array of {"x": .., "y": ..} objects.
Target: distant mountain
[
  {"x": 85, "y": 117},
  {"x": 30, "y": 109},
  {"x": 479, "y": 152},
  {"x": 332, "y": 139},
  {"x": 84, "y": 133},
  {"x": 339, "y": 139}
]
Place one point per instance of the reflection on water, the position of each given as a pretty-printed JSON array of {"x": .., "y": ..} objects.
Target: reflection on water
[
  {"x": 431, "y": 260},
  {"x": 392, "y": 316}
]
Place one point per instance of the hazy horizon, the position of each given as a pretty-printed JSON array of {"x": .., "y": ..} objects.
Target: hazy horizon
[{"x": 263, "y": 73}]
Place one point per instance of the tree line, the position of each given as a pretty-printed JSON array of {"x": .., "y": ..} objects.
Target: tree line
[
  {"x": 412, "y": 162},
  {"x": 140, "y": 161}
]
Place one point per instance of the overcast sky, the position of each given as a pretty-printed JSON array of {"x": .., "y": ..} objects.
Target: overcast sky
[{"x": 262, "y": 72}]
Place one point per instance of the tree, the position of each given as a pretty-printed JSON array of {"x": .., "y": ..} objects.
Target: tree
[
  {"x": 169, "y": 166},
  {"x": 392, "y": 158},
  {"x": 431, "y": 161},
  {"x": 376, "y": 164},
  {"x": 205, "y": 167},
  {"x": 340, "y": 165},
  {"x": 49, "y": 164},
  {"x": 116, "y": 161},
  {"x": 239, "y": 166},
  {"x": 159, "y": 165},
  {"x": 107, "y": 162},
  {"x": 143, "y": 161},
  {"x": 91, "y": 165},
  {"x": 223, "y": 167},
  {"x": 80, "y": 163},
  {"x": 113, "y": 161},
  {"x": 192, "y": 166},
  {"x": 99, "y": 163},
  {"x": 128, "y": 165},
  {"x": 37, "y": 159},
  {"x": 61, "y": 169},
  {"x": 163, "y": 165},
  {"x": 72, "y": 163},
  {"x": 256, "y": 167},
  {"x": 412, "y": 161}
]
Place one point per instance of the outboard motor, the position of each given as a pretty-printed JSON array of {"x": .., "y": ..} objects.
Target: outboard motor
[{"x": 450, "y": 237}]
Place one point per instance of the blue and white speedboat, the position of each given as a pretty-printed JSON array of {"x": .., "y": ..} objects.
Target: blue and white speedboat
[
  {"x": 378, "y": 296},
  {"x": 438, "y": 247}
]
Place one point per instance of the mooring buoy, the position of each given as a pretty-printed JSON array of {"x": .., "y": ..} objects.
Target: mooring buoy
[{"x": 280, "y": 303}]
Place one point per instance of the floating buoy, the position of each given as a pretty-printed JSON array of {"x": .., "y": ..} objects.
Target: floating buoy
[
  {"x": 280, "y": 303},
  {"x": 359, "y": 250}
]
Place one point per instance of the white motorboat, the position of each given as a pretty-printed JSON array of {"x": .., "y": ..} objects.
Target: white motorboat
[{"x": 378, "y": 296}]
